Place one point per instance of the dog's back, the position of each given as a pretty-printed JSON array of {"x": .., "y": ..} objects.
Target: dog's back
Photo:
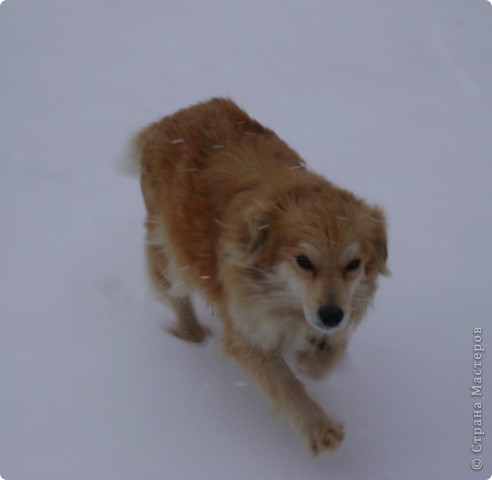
[
  {"x": 193, "y": 147},
  {"x": 194, "y": 163}
]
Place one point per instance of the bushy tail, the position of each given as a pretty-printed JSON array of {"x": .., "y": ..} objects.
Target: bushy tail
[{"x": 129, "y": 161}]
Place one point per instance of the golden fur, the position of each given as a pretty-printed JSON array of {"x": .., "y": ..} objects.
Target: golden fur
[{"x": 289, "y": 260}]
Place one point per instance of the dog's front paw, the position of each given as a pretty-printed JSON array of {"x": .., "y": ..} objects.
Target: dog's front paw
[
  {"x": 324, "y": 436},
  {"x": 319, "y": 356},
  {"x": 320, "y": 343}
]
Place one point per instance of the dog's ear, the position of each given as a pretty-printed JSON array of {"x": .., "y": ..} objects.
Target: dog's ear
[
  {"x": 247, "y": 235},
  {"x": 378, "y": 243},
  {"x": 254, "y": 229}
]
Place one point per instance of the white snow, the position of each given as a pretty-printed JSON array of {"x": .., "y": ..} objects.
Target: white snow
[{"x": 391, "y": 99}]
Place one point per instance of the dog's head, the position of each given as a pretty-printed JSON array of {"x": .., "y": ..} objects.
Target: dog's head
[{"x": 320, "y": 245}]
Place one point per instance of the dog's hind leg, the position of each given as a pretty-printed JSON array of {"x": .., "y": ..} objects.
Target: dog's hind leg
[{"x": 187, "y": 326}]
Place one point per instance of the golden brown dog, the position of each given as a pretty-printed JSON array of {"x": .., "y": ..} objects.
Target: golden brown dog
[{"x": 289, "y": 260}]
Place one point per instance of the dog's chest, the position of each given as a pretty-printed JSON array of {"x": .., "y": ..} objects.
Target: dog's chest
[{"x": 266, "y": 327}]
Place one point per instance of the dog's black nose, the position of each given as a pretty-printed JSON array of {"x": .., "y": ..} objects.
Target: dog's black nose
[{"x": 330, "y": 316}]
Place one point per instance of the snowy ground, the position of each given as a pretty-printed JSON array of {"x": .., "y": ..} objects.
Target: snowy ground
[{"x": 391, "y": 99}]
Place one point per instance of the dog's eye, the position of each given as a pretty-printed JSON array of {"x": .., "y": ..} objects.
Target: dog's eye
[
  {"x": 353, "y": 265},
  {"x": 304, "y": 263}
]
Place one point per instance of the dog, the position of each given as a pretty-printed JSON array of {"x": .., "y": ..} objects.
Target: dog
[{"x": 289, "y": 260}]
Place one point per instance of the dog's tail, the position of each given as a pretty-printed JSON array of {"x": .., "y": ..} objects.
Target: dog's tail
[{"x": 130, "y": 158}]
